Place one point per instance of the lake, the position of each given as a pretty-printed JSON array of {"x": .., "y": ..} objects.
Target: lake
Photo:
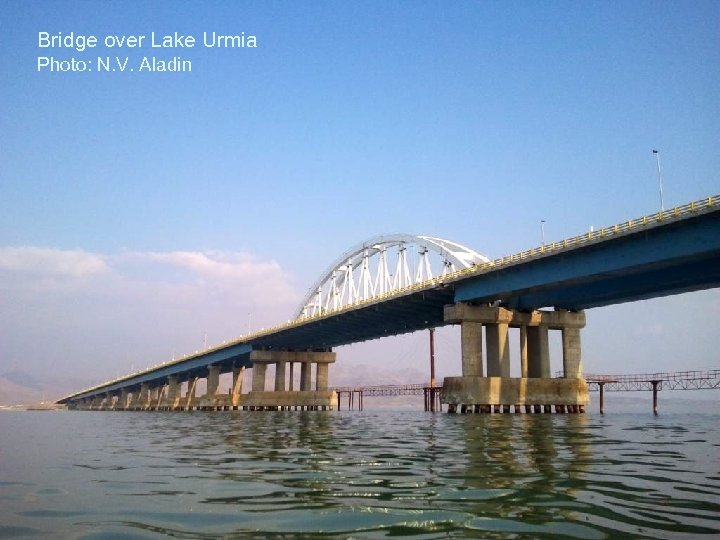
[{"x": 352, "y": 474}]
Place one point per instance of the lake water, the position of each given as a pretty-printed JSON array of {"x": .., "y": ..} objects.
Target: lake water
[{"x": 350, "y": 474}]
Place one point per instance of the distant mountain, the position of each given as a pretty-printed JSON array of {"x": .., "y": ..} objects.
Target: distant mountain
[
  {"x": 20, "y": 388},
  {"x": 16, "y": 394},
  {"x": 348, "y": 374},
  {"x": 22, "y": 378}
]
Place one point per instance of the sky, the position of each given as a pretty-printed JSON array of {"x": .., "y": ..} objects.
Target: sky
[{"x": 145, "y": 214}]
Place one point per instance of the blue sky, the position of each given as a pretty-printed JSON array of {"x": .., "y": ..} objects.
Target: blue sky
[{"x": 135, "y": 197}]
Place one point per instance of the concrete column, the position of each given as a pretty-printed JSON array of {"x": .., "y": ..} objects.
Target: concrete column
[
  {"x": 238, "y": 376},
  {"x": 291, "y": 384},
  {"x": 258, "y": 379},
  {"x": 572, "y": 359},
  {"x": 538, "y": 348},
  {"x": 133, "y": 403},
  {"x": 122, "y": 402},
  {"x": 213, "y": 380},
  {"x": 280, "y": 376},
  {"x": 192, "y": 387},
  {"x": 471, "y": 346},
  {"x": 523, "y": 352},
  {"x": 144, "y": 397},
  {"x": 173, "y": 391},
  {"x": 305, "y": 376},
  {"x": 322, "y": 378},
  {"x": 156, "y": 393},
  {"x": 173, "y": 387},
  {"x": 188, "y": 400},
  {"x": 498, "y": 350}
]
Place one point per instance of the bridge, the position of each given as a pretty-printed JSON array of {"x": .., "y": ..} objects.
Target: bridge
[{"x": 359, "y": 298}]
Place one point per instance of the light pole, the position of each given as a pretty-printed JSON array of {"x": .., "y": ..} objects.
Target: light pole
[
  {"x": 542, "y": 231},
  {"x": 660, "y": 180}
]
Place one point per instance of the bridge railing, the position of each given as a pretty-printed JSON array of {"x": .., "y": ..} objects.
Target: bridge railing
[
  {"x": 677, "y": 380},
  {"x": 647, "y": 377},
  {"x": 631, "y": 225},
  {"x": 386, "y": 389}
]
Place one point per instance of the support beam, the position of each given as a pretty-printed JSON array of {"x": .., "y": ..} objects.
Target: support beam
[{"x": 554, "y": 320}]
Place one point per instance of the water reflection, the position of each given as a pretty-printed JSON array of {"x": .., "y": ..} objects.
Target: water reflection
[{"x": 362, "y": 475}]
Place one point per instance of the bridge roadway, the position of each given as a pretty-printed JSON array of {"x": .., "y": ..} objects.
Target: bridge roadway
[{"x": 667, "y": 253}]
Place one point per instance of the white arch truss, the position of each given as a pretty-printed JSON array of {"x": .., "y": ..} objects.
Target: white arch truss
[{"x": 364, "y": 272}]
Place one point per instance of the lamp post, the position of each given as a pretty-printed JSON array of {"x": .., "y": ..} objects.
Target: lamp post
[
  {"x": 542, "y": 231},
  {"x": 660, "y": 180}
]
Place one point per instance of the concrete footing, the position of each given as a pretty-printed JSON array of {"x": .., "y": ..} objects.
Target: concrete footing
[
  {"x": 320, "y": 400},
  {"x": 501, "y": 394}
]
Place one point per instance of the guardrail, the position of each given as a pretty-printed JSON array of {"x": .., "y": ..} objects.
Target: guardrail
[
  {"x": 678, "y": 380},
  {"x": 385, "y": 390}
]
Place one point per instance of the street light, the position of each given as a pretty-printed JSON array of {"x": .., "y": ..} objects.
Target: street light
[
  {"x": 542, "y": 231},
  {"x": 660, "y": 180}
]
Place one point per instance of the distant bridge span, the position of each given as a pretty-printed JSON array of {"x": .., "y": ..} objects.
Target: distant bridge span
[{"x": 670, "y": 252}]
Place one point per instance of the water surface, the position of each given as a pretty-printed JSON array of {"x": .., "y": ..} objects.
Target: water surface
[{"x": 351, "y": 474}]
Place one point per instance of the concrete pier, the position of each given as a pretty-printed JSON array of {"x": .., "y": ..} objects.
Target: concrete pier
[
  {"x": 212, "y": 400},
  {"x": 309, "y": 397},
  {"x": 534, "y": 390}
]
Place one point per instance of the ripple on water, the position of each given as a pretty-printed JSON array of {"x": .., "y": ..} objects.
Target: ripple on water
[{"x": 361, "y": 475}]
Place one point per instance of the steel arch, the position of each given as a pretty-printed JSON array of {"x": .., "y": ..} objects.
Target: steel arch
[{"x": 350, "y": 279}]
